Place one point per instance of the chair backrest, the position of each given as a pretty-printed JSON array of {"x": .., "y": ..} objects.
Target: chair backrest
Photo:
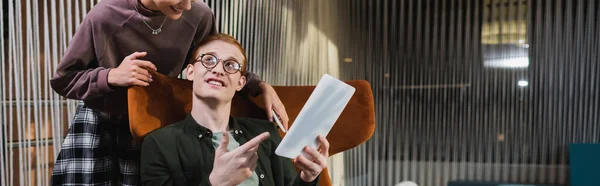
[{"x": 168, "y": 100}]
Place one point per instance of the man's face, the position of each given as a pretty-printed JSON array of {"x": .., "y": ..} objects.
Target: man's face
[
  {"x": 216, "y": 84},
  {"x": 173, "y": 9}
]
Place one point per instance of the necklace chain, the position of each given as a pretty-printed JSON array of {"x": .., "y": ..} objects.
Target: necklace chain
[{"x": 154, "y": 31}]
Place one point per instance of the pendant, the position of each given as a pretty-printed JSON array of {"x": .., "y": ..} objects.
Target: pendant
[{"x": 155, "y": 32}]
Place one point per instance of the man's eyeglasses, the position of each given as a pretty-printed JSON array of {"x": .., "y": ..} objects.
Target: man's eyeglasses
[{"x": 209, "y": 61}]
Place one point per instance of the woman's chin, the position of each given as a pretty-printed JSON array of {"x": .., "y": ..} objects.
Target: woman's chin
[{"x": 174, "y": 16}]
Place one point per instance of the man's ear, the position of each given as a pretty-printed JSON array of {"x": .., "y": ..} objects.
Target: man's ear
[
  {"x": 241, "y": 83},
  {"x": 189, "y": 72}
]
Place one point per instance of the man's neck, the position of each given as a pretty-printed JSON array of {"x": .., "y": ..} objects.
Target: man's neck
[{"x": 211, "y": 114}]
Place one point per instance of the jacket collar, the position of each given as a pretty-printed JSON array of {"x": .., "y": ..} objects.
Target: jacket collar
[{"x": 192, "y": 126}]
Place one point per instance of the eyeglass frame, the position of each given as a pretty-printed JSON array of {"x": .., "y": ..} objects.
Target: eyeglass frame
[{"x": 199, "y": 59}]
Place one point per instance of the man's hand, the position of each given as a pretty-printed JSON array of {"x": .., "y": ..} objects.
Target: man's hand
[
  {"x": 131, "y": 71},
  {"x": 310, "y": 169},
  {"x": 233, "y": 168}
]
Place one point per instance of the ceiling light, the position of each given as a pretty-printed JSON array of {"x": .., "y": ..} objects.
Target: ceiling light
[
  {"x": 523, "y": 83},
  {"x": 516, "y": 62}
]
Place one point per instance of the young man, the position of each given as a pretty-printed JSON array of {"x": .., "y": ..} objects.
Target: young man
[{"x": 199, "y": 149}]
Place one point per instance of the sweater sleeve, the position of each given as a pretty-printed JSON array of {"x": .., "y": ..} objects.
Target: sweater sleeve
[{"x": 78, "y": 75}]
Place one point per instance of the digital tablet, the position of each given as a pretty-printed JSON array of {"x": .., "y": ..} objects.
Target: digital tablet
[{"x": 318, "y": 115}]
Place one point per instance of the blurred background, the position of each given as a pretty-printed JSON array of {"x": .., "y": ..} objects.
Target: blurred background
[{"x": 476, "y": 90}]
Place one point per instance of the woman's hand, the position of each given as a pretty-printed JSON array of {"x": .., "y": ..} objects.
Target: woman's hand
[
  {"x": 131, "y": 71},
  {"x": 273, "y": 103}
]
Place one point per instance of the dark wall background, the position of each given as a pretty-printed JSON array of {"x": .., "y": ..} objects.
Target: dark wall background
[{"x": 444, "y": 113}]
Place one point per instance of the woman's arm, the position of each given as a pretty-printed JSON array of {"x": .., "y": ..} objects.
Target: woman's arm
[{"x": 78, "y": 75}]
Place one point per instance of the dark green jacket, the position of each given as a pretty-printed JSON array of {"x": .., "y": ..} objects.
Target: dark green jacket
[{"x": 183, "y": 154}]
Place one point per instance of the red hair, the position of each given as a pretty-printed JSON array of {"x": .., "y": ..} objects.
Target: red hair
[{"x": 228, "y": 39}]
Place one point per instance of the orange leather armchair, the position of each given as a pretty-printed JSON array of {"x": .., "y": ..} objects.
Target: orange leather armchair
[{"x": 168, "y": 100}]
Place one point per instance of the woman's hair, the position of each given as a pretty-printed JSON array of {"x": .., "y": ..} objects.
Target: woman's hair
[{"x": 226, "y": 38}]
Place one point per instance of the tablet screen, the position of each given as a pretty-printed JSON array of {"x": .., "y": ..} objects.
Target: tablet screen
[{"x": 317, "y": 117}]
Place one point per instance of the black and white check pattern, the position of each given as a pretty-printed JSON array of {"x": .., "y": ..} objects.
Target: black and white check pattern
[{"x": 98, "y": 150}]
